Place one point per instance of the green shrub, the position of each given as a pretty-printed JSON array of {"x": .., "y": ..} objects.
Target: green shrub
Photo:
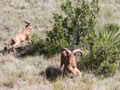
[
  {"x": 107, "y": 69},
  {"x": 56, "y": 38},
  {"x": 104, "y": 54},
  {"x": 112, "y": 27},
  {"x": 70, "y": 27},
  {"x": 38, "y": 45}
]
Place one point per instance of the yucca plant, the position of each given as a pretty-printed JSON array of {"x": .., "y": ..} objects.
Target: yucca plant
[{"x": 104, "y": 54}]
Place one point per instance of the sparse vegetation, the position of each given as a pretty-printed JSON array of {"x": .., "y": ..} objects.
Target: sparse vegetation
[{"x": 29, "y": 69}]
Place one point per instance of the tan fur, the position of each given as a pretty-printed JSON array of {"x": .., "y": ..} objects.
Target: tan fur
[
  {"x": 23, "y": 35},
  {"x": 69, "y": 62}
]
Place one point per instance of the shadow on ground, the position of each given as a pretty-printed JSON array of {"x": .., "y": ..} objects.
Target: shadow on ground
[
  {"x": 52, "y": 73},
  {"x": 21, "y": 51},
  {"x": 27, "y": 50}
]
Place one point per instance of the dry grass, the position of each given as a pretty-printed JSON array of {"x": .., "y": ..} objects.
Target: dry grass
[
  {"x": 28, "y": 73},
  {"x": 109, "y": 12},
  {"x": 39, "y": 13}
]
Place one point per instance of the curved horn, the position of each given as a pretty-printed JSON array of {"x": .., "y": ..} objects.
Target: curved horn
[
  {"x": 65, "y": 49},
  {"x": 77, "y": 50},
  {"x": 27, "y": 22}
]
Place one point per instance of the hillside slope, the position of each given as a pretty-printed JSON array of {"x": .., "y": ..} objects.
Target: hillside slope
[{"x": 28, "y": 73}]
